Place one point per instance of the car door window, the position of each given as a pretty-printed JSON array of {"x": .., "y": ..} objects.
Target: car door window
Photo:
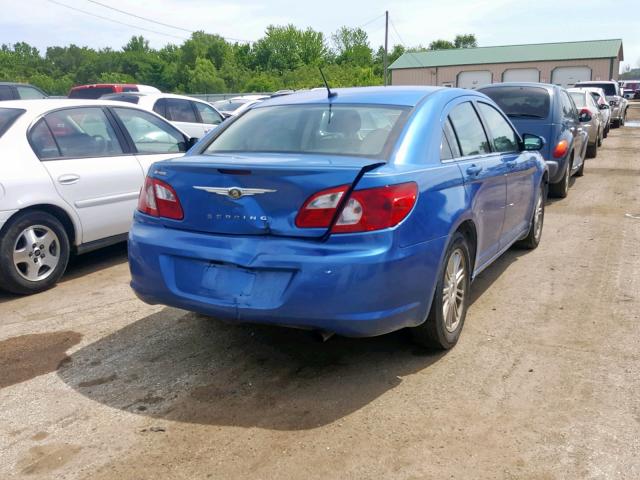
[
  {"x": 469, "y": 131},
  {"x": 160, "y": 107},
  {"x": 27, "y": 93},
  {"x": 149, "y": 133},
  {"x": 6, "y": 92},
  {"x": 569, "y": 112},
  {"x": 83, "y": 132},
  {"x": 42, "y": 141},
  {"x": 208, "y": 114},
  {"x": 503, "y": 138},
  {"x": 180, "y": 111}
]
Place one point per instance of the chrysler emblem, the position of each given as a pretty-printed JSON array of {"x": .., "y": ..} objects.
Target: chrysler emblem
[{"x": 235, "y": 193}]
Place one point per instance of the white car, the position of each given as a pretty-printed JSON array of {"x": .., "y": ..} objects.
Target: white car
[
  {"x": 194, "y": 117},
  {"x": 70, "y": 175},
  {"x": 605, "y": 109},
  {"x": 230, "y": 106}
]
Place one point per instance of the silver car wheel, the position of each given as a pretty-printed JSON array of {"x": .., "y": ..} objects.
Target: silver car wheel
[
  {"x": 454, "y": 290},
  {"x": 36, "y": 253}
]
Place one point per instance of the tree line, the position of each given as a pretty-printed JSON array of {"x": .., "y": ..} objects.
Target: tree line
[{"x": 286, "y": 57}]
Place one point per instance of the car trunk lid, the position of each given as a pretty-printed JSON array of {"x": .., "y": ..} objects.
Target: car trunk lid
[{"x": 258, "y": 194}]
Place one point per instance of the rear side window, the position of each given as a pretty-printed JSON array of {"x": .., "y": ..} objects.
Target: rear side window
[
  {"x": 27, "y": 93},
  {"x": 89, "y": 93},
  {"x": 6, "y": 93},
  {"x": 578, "y": 99},
  {"x": 208, "y": 114},
  {"x": 569, "y": 111},
  {"x": 83, "y": 132},
  {"x": 180, "y": 111},
  {"x": 469, "y": 130},
  {"x": 149, "y": 133},
  {"x": 160, "y": 107},
  {"x": 523, "y": 102},
  {"x": 503, "y": 137},
  {"x": 7, "y": 117},
  {"x": 42, "y": 141}
]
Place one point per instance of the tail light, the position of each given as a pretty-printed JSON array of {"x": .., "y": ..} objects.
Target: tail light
[
  {"x": 587, "y": 111},
  {"x": 561, "y": 149},
  {"x": 365, "y": 210},
  {"x": 159, "y": 199}
]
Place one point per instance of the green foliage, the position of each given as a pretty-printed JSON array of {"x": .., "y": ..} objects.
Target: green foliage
[
  {"x": 467, "y": 40},
  {"x": 285, "y": 57},
  {"x": 441, "y": 45}
]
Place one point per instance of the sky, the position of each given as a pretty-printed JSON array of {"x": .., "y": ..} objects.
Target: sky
[{"x": 44, "y": 23}]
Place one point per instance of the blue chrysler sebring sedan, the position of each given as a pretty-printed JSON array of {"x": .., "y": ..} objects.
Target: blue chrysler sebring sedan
[{"x": 358, "y": 211}]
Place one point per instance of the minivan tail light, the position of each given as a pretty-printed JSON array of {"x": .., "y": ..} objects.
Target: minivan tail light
[
  {"x": 159, "y": 199},
  {"x": 365, "y": 210},
  {"x": 561, "y": 149}
]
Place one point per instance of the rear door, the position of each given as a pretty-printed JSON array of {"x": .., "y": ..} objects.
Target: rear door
[
  {"x": 89, "y": 166},
  {"x": 521, "y": 166},
  {"x": 484, "y": 174},
  {"x": 184, "y": 116},
  {"x": 571, "y": 123},
  {"x": 150, "y": 138}
]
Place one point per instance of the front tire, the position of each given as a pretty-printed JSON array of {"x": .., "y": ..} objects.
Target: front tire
[
  {"x": 34, "y": 252},
  {"x": 443, "y": 325},
  {"x": 561, "y": 189},
  {"x": 532, "y": 240}
]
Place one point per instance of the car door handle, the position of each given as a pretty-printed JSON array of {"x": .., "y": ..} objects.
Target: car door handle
[
  {"x": 68, "y": 179},
  {"x": 473, "y": 170}
]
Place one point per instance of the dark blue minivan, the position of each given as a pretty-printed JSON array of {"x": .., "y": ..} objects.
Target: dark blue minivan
[{"x": 548, "y": 111}]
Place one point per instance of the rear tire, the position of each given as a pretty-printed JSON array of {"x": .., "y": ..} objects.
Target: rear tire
[
  {"x": 592, "y": 150},
  {"x": 615, "y": 124},
  {"x": 606, "y": 131},
  {"x": 561, "y": 189},
  {"x": 600, "y": 137},
  {"x": 34, "y": 252},
  {"x": 442, "y": 327},
  {"x": 532, "y": 240}
]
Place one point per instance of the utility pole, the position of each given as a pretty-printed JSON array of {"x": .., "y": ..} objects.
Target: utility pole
[{"x": 386, "y": 45}]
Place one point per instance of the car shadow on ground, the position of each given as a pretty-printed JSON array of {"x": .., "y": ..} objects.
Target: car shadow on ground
[
  {"x": 81, "y": 265},
  {"x": 186, "y": 367}
]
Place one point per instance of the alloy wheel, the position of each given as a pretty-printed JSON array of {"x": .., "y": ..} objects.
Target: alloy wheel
[
  {"x": 454, "y": 290},
  {"x": 36, "y": 253},
  {"x": 538, "y": 217}
]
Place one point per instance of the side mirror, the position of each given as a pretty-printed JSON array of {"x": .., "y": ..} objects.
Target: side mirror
[
  {"x": 191, "y": 142},
  {"x": 604, "y": 106},
  {"x": 585, "y": 116},
  {"x": 532, "y": 143}
]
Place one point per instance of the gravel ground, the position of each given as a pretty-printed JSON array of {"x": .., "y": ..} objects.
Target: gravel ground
[{"x": 544, "y": 383}]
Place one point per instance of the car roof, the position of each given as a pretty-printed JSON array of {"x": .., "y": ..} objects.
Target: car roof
[
  {"x": 596, "y": 82},
  {"x": 16, "y": 83},
  {"x": 40, "y": 106},
  {"x": 395, "y": 95},
  {"x": 154, "y": 96},
  {"x": 548, "y": 86}
]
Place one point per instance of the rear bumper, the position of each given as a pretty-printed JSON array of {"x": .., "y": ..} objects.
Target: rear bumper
[{"x": 354, "y": 285}]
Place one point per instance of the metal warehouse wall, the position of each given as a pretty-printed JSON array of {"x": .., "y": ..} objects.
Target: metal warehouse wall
[{"x": 600, "y": 69}]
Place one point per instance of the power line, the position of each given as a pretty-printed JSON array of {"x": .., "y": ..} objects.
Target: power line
[
  {"x": 146, "y": 19},
  {"x": 411, "y": 54},
  {"x": 365, "y": 23},
  {"x": 115, "y": 21}
]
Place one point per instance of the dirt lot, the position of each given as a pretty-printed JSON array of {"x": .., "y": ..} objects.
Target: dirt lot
[{"x": 544, "y": 384}]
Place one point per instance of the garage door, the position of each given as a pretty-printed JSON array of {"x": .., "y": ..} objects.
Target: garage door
[
  {"x": 569, "y": 76},
  {"x": 474, "y": 79},
  {"x": 521, "y": 75}
]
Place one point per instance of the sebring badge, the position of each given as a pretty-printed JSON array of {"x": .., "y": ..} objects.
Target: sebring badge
[{"x": 234, "y": 193}]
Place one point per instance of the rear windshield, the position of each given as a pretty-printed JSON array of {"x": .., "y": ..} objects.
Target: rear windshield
[
  {"x": 90, "y": 92},
  {"x": 7, "y": 117},
  {"x": 609, "y": 88},
  {"x": 330, "y": 129},
  {"x": 227, "y": 106},
  {"x": 524, "y": 102},
  {"x": 578, "y": 99},
  {"x": 122, "y": 98}
]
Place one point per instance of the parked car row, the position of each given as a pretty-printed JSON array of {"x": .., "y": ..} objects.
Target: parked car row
[{"x": 377, "y": 205}]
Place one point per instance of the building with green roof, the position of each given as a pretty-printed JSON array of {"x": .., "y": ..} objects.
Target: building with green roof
[{"x": 562, "y": 63}]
